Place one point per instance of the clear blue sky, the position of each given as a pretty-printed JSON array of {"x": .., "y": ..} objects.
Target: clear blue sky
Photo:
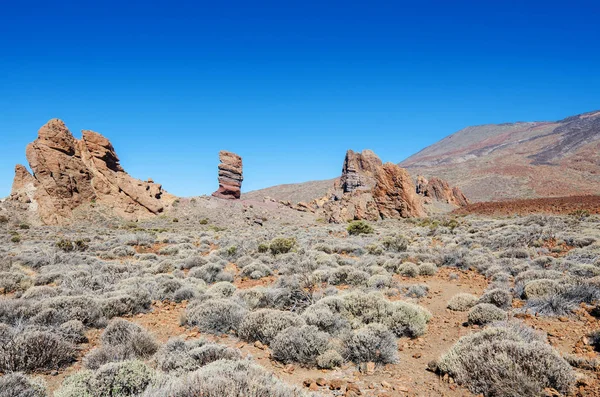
[{"x": 288, "y": 85}]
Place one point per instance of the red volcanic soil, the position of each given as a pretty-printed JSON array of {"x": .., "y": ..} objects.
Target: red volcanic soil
[{"x": 551, "y": 205}]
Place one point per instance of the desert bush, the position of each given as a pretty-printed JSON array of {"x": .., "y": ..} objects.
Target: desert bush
[
  {"x": 505, "y": 361},
  {"x": 403, "y": 318},
  {"x": 359, "y": 227},
  {"x": 417, "y": 291},
  {"x": 222, "y": 289},
  {"x": 216, "y": 315},
  {"x": 282, "y": 245},
  {"x": 321, "y": 316},
  {"x": 122, "y": 379},
  {"x": 263, "y": 325},
  {"x": 73, "y": 331},
  {"x": 174, "y": 355},
  {"x": 540, "y": 287},
  {"x": 18, "y": 385},
  {"x": 299, "y": 345},
  {"x": 29, "y": 351},
  {"x": 347, "y": 275},
  {"x": 82, "y": 308},
  {"x": 256, "y": 271},
  {"x": 122, "y": 340},
  {"x": 372, "y": 343},
  {"x": 3, "y": 219},
  {"x": 224, "y": 378},
  {"x": 585, "y": 270},
  {"x": 211, "y": 352},
  {"x": 408, "y": 269},
  {"x": 407, "y": 319},
  {"x": 123, "y": 304},
  {"x": 395, "y": 243},
  {"x": 380, "y": 281},
  {"x": 185, "y": 294},
  {"x": 497, "y": 297},
  {"x": 462, "y": 302},
  {"x": 485, "y": 313},
  {"x": 330, "y": 360},
  {"x": 210, "y": 273},
  {"x": 427, "y": 269},
  {"x": 565, "y": 300}
]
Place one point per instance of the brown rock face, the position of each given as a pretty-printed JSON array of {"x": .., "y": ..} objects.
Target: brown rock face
[
  {"x": 438, "y": 189},
  {"x": 230, "y": 176},
  {"x": 68, "y": 173},
  {"x": 359, "y": 171},
  {"x": 372, "y": 190}
]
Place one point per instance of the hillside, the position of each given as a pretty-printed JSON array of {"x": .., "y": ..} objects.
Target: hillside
[
  {"x": 292, "y": 192},
  {"x": 518, "y": 160}
]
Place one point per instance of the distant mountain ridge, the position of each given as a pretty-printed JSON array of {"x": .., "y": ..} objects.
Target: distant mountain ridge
[
  {"x": 498, "y": 161},
  {"x": 518, "y": 160}
]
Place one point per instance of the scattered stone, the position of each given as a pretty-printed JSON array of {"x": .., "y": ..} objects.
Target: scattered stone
[
  {"x": 336, "y": 384},
  {"x": 321, "y": 381}
]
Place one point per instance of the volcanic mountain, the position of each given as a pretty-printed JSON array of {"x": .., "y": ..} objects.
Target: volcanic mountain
[{"x": 517, "y": 160}]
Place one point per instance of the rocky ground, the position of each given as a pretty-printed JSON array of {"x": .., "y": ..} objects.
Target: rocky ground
[{"x": 538, "y": 272}]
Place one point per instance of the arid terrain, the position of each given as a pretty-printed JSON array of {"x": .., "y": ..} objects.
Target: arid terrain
[
  {"x": 216, "y": 293},
  {"x": 383, "y": 285}
]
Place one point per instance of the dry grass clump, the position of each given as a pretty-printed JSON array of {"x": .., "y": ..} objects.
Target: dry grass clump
[
  {"x": 506, "y": 360},
  {"x": 462, "y": 302}
]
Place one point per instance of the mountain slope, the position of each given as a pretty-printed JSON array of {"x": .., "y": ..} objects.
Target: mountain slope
[
  {"x": 293, "y": 192},
  {"x": 518, "y": 160}
]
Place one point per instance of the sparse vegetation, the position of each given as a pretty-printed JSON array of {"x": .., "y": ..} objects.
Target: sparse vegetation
[{"x": 359, "y": 227}]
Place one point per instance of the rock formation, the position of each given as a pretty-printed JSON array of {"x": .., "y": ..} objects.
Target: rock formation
[
  {"x": 438, "y": 189},
  {"x": 68, "y": 173},
  {"x": 371, "y": 190},
  {"x": 230, "y": 176},
  {"x": 359, "y": 170}
]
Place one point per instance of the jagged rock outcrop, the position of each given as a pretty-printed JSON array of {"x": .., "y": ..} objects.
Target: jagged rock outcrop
[
  {"x": 68, "y": 173},
  {"x": 359, "y": 171},
  {"x": 230, "y": 176},
  {"x": 371, "y": 190},
  {"x": 439, "y": 190}
]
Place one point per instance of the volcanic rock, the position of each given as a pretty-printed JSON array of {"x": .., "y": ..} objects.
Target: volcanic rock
[
  {"x": 230, "y": 176},
  {"x": 359, "y": 171},
  {"x": 371, "y": 190},
  {"x": 439, "y": 190},
  {"x": 68, "y": 173}
]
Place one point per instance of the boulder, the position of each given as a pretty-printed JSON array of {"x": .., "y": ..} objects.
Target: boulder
[{"x": 230, "y": 176}]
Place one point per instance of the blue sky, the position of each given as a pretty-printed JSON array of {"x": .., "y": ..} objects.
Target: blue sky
[{"x": 288, "y": 85}]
